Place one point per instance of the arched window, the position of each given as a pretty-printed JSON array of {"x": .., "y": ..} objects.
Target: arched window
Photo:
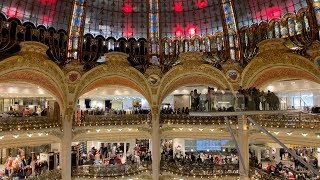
[
  {"x": 291, "y": 26},
  {"x": 306, "y": 22},
  {"x": 298, "y": 27},
  {"x": 219, "y": 43},
  {"x": 271, "y": 31},
  {"x": 176, "y": 47},
  {"x": 111, "y": 45},
  {"x": 207, "y": 44},
  {"x": 276, "y": 30},
  {"x": 284, "y": 30},
  {"x": 196, "y": 45},
  {"x": 191, "y": 46},
  {"x": 186, "y": 45},
  {"x": 166, "y": 48}
]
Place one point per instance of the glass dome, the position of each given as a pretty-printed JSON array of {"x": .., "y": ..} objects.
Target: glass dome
[
  {"x": 51, "y": 13},
  {"x": 249, "y": 12},
  {"x": 189, "y": 17},
  {"x": 117, "y": 18}
]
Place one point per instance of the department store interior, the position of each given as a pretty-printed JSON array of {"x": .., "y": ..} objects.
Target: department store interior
[{"x": 160, "y": 90}]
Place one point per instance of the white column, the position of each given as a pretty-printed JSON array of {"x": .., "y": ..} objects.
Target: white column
[
  {"x": 155, "y": 150},
  {"x": 65, "y": 153},
  {"x": 243, "y": 142}
]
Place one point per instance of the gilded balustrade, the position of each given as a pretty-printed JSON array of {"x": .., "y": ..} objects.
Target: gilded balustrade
[
  {"x": 103, "y": 171},
  {"x": 199, "y": 170},
  {"x": 194, "y": 120},
  {"x": 296, "y": 120},
  {"x": 27, "y": 123},
  {"x": 308, "y": 121},
  {"x": 113, "y": 120}
]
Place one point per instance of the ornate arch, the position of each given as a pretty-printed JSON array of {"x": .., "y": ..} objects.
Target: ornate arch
[
  {"x": 116, "y": 71},
  {"x": 193, "y": 70},
  {"x": 276, "y": 62},
  {"x": 33, "y": 66}
]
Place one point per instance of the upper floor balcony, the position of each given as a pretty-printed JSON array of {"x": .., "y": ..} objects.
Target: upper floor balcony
[{"x": 28, "y": 123}]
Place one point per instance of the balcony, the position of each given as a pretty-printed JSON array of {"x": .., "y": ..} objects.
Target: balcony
[
  {"x": 107, "y": 171},
  {"x": 278, "y": 119},
  {"x": 28, "y": 123},
  {"x": 203, "y": 170},
  {"x": 113, "y": 120}
]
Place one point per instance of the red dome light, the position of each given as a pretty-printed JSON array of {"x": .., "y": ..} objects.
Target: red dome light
[
  {"x": 11, "y": 12},
  {"x": 178, "y": 31},
  {"x": 46, "y": 19},
  {"x": 127, "y": 8},
  {"x": 178, "y": 7},
  {"x": 202, "y": 3},
  {"x": 192, "y": 30},
  {"x": 274, "y": 12}
]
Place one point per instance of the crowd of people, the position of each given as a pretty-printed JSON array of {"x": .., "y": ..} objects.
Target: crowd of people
[
  {"x": 254, "y": 99},
  {"x": 169, "y": 110},
  {"x": 22, "y": 167},
  {"x": 107, "y": 111},
  {"x": 25, "y": 112},
  {"x": 115, "y": 155}
]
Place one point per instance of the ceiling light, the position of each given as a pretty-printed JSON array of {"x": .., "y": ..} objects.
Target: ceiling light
[
  {"x": 181, "y": 129},
  {"x": 200, "y": 129},
  {"x": 130, "y": 129},
  {"x": 276, "y": 133},
  {"x": 40, "y": 134},
  {"x": 1, "y": 137},
  {"x": 318, "y": 136},
  {"x": 16, "y": 136},
  {"x": 190, "y": 129},
  {"x": 29, "y": 135},
  {"x": 289, "y": 133},
  {"x": 108, "y": 130},
  {"x": 211, "y": 129},
  {"x": 304, "y": 134},
  {"x": 119, "y": 129},
  {"x": 98, "y": 130}
]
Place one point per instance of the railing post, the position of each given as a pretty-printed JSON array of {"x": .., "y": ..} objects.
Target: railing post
[
  {"x": 243, "y": 141},
  {"x": 65, "y": 156},
  {"x": 155, "y": 143}
]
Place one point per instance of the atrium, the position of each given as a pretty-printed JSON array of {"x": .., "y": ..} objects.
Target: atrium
[{"x": 160, "y": 89}]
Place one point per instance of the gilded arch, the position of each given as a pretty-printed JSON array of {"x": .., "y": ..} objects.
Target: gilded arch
[
  {"x": 192, "y": 70},
  {"x": 33, "y": 66},
  {"x": 276, "y": 62},
  {"x": 116, "y": 71}
]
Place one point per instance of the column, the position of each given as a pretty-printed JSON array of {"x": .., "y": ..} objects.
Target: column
[
  {"x": 318, "y": 156},
  {"x": 65, "y": 153},
  {"x": 155, "y": 149},
  {"x": 243, "y": 142},
  {"x": 258, "y": 154}
]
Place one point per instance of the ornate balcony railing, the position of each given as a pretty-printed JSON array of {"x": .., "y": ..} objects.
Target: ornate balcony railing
[
  {"x": 289, "y": 121},
  {"x": 199, "y": 170},
  {"x": 281, "y": 120},
  {"x": 194, "y": 120},
  {"x": 27, "y": 123},
  {"x": 103, "y": 171},
  {"x": 113, "y": 120},
  {"x": 48, "y": 175}
]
